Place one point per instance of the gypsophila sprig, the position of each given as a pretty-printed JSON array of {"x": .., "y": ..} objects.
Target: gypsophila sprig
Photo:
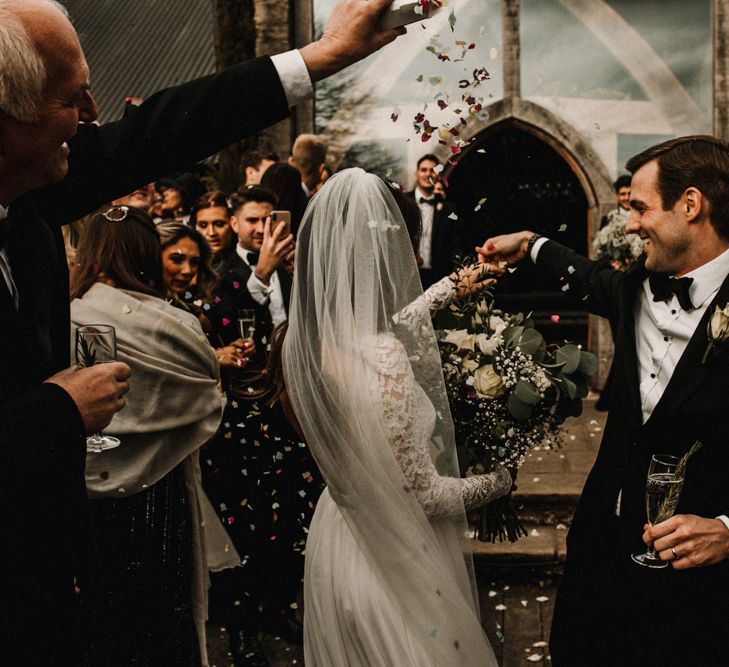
[{"x": 509, "y": 392}]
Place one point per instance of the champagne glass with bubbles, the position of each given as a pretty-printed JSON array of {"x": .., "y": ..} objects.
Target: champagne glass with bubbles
[
  {"x": 247, "y": 322},
  {"x": 662, "y": 491},
  {"x": 96, "y": 344}
]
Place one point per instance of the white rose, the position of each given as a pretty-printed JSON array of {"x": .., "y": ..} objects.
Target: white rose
[
  {"x": 488, "y": 383},
  {"x": 488, "y": 344},
  {"x": 719, "y": 325},
  {"x": 496, "y": 324},
  {"x": 470, "y": 364},
  {"x": 461, "y": 339}
]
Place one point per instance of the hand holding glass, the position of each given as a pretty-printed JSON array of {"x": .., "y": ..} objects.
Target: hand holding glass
[
  {"x": 96, "y": 344},
  {"x": 662, "y": 491}
]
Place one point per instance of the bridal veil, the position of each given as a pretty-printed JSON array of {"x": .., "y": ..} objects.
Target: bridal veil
[{"x": 355, "y": 277}]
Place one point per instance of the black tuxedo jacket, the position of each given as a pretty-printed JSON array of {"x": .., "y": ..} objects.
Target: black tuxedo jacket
[
  {"x": 446, "y": 243},
  {"x": 608, "y": 606},
  {"x": 42, "y": 490},
  {"x": 232, "y": 294}
]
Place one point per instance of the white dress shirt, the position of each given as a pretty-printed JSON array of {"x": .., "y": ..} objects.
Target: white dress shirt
[
  {"x": 270, "y": 294},
  {"x": 427, "y": 214},
  {"x": 5, "y": 264},
  {"x": 294, "y": 76},
  {"x": 663, "y": 330}
]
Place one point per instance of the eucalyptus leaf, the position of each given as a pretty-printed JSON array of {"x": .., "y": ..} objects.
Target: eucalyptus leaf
[
  {"x": 570, "y": 355},
  {"x": 588, "y": 363},
  {"x": 530, "y": 341},
  {"x": 511, "y": 335},
  {"x": 518, "y": 409},
  {"x": 570, "y": 387},
  {"x": 526, "y": 392}
]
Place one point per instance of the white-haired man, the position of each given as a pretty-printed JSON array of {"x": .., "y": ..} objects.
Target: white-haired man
[{"x": 55, "y": 166}]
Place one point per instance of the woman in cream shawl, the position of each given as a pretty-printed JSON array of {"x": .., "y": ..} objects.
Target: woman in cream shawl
[{"x": 155, "y": 534}]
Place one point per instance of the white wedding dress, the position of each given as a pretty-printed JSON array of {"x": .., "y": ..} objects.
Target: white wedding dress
[{"x": 351, "y": 616}]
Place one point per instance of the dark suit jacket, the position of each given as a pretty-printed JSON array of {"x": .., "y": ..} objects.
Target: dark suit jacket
[
  {"x": 609, "y": 608},
  {"x": 232, "y": 294},
  {"x": 42, "y": 455},
  {"x": 446, "y": 243}
]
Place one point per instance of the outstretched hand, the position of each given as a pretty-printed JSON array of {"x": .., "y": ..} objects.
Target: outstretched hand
[
  {"x": 696, "y": 540},
  {"x": 353, "y": 32},
  {"x": 473, "y": 278},
  {"x": 509, "y": 248}
]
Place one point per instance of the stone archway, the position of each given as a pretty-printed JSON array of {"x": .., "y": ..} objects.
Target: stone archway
[{"x": 586, "y": 166}]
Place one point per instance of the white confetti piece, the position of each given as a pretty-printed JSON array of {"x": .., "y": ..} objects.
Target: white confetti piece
[
  {"x": 561, "y": 526},
  {"x": 524, "y": 603},
  {"x": 542, "y": 598},
  {"x": 534, "y": 533},
  {"x": 535, "y": 657},
  {"x": 562, "y": 228},
  {"x": 493, "y": 53},
  {"x": 453, "y": 216},
  {"x": 565, "y": 287},
  {"x": 500, "y": 607},
  {"x": 540, "y": 645},
  {"x": 536, "y": 479},
  {"x": 492, "y": 594},
  {"x": 570, "y": 269}
]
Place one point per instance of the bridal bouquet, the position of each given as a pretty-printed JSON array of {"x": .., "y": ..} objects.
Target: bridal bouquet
[
  {"x": 508, "y": 392},
  {"x": 614, "y": 243}
]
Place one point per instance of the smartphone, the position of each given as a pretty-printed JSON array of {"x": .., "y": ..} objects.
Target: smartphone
[
  {"x": 402, "y": 12},
  {"x": 281, "y": 217}
]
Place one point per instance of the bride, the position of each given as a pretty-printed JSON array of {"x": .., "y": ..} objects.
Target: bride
[{"x": 389, "y": 577}]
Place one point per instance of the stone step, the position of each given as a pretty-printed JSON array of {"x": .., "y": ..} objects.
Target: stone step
[{"x": 543, "y": 546}]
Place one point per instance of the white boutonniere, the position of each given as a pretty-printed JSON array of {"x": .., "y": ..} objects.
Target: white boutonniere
[{"x": 717, "y": 330}]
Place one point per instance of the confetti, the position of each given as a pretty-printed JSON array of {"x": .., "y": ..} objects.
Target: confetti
[
  {"x": 500, "y": 607},
  {"x": 492, "y": 594},
  {"x": 535, "y": 657},
  {"x": 542, "y": 598},
  {"x": 493, "y": 53}
]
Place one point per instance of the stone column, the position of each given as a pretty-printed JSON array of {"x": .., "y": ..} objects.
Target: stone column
[
  {"x": 511, "y": 47},
  {"x": 720, "y": 22}
]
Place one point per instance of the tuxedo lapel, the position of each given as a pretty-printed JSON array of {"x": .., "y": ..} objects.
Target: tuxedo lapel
[
  {"x": 626, "y": 357},
  {"x": 691, "y": 369}
]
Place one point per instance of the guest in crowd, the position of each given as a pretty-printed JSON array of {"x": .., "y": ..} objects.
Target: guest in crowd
[
  {"x": 143, "y": 197},
  {"x": 188, "y": 275},
  {"x": 253, "y": 165},
  {"x": 176, "y": 196},
  {"x": 622, "y": 193},
  {"x": 155, "y": 532},
  {"x": 211, "y": 217},
  {"x": 254, "y": 277},
  {"x": 309, "y": 155},
  {"x": 285, "y": 182},
  {"x": 440, "y": 242}
]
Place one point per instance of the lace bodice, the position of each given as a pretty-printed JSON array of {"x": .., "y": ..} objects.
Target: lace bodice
[{"x": 410, "y": 419}]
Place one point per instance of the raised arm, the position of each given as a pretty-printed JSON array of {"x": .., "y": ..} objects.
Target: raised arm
[{"x": 439, "y": 496}]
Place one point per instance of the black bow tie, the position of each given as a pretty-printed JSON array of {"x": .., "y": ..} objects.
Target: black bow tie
[
  {"x": 663, "y": 286},
  {"x": 430, "y": 202},
  {"x": 252, "y": 258}
]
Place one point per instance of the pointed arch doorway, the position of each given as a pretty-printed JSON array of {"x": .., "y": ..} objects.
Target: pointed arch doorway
[{"x": 511, "y": 180}]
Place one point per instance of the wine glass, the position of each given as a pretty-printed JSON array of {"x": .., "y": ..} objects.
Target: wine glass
[
  {"x": 247, "y": 322},
  {"x": 663, "y": 488},
  {"x": 96, "y": 344}
]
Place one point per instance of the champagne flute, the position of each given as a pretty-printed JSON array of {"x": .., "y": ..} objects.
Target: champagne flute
[
  {"x": 247, "y": 322},
  {"x": 96, "y": 344},
  {"x": 662, "y": 491}
]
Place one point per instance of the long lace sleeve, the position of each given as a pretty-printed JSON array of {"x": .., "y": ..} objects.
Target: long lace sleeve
[{"x": 409, "y": 418}]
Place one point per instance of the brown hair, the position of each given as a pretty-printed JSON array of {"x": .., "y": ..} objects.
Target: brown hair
[
  {"x": 172, "y": 231},
  {"x": 212, "y": 199},
  {"x": 113, "y": 244},
  {"x": 699, "y": 161}
]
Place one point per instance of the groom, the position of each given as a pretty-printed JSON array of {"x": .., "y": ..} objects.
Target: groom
[{"x": 671, "y": 388}]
